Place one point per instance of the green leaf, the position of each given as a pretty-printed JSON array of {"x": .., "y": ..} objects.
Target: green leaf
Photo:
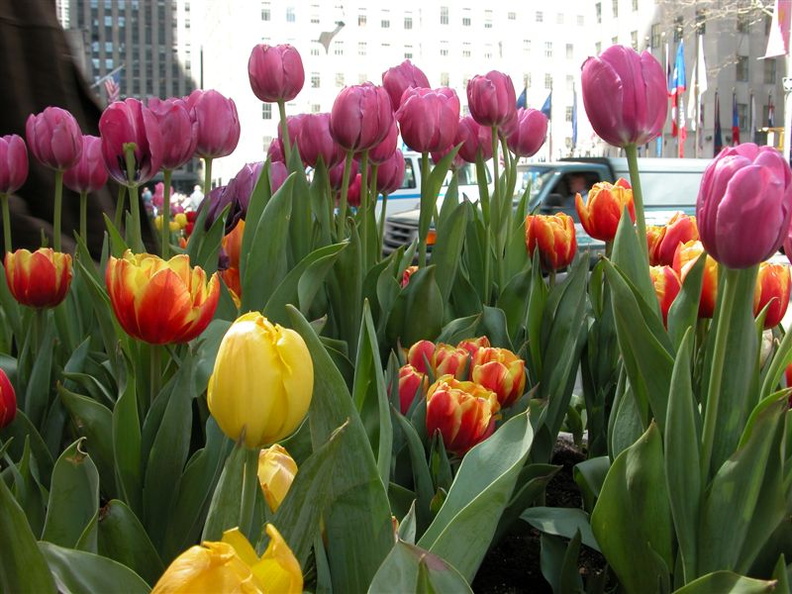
[
  {"x": 683, "y": 313},
  {"x": 531, "y": 483},
  {"x": 126, "y": 449},
  {"x": 459, "y": 329},
  {"x": 726, "y": 582},
  {"x": 590, "y": 476},
  {"x": 17, "y": 433},
  {"x": 559, "y": 563},
  {"x": 27, "y": 489},
  {"x": 39, "y": 387},
  {"x": 420, "y": 471},
  {"x": 463, "y": 528},
  {"x": 409, "y": 568},
  {"x": 628, "y": 255},
  {"x": 564, "y": 522},
  {"x": 204, "y": 246},
  {"x": 450, "y": 240},
  {"x": 418, "y": 311},
  {"x": 78, "y": 572},
  {"x": 513, "y": 302}
]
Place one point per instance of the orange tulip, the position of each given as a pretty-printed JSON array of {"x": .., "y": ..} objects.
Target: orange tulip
[
  {"x": 411, "y": 382},
  {"x": 772, "y": 286},
  {"x": 685, "y": 257},
  {"x": 501, "y": 371},
  {"x": 160, "y": 301},
  {"x": 554, "y": 237},
  {"x": 602, "y": 211},
  {"x": 680, "y": 229},
  {"x": 38, "y": 279},
  {"x": 667, "y": 286}
]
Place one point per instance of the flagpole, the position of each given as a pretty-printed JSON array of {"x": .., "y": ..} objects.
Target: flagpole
[
  {"x": 108, "y": 75},
  {"x": 697, "y": 99}
]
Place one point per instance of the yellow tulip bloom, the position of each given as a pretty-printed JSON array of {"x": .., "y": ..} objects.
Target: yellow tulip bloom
[{"x": 276, "y": 470}]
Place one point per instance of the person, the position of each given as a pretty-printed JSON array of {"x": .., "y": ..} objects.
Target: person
[
  {"x": 196, "y": 197},
  {"x": 578, "y": 184}
]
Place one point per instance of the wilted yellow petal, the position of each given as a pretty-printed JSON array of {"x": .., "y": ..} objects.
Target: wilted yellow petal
[{"x": 278, "y": 570}]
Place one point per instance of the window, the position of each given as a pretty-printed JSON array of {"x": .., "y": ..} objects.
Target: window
[
  {"x": 339, "y": 79},
  {"x": 408, "y": 52},
  {"x": 465, "y": 49},
  {"x": 743, "y": 23},
  {"x": 580, "y": 20},
  {"x": 742, "y": 68},
  {"x": 742, "y": 115},
  {"x": 548, "y": 81},
  {"x": 539, "y": 16},
  {"x": 768, "y": 118},
  {"x": 316, "y": 108},
  {"x": 266, "y": 141},
  {"x": 466, "y": 17},
  {"x": 655, "y": 35},
  {"x": 570, "y": 82},
  {"x": 362, "y": 48},
  {"x": 770, "y": 71},
  {"x": 598, "y": 48},
  {"x": 635, "y": 5},
  {"x": 678, "y": 29},
  {"x": 444, "y": 15},
  {"x": 615, "y": 40},
  {"x": 444, "y": 79},
  {"x": 362, "y": 18},
  {"x": 408, "y": 22},
  {"x": 315, "y": 18},
  {"x": 560, "y": 18},
  {"x": 315, "y": 80},
  {"x": 314, "y": 51},
  {"x": 488, "y": 19},
  {"x": 568, "y": 113},
  {"x": 385, "y": 21},
  {"x": 290, "y": 16},
  {"x": 443, "y": 48},
  {"x": 527, "y": 79},
  {"x": 634, "y": 39},
  {"x": 266, "y": 111},
  {"x": 488, "y": 51},
  {"x": 527, "y": 46},
  {"x": 512, "y": 16},
  {"x": 615, "y": 9},
  {"x": 548, "y": 49},
  {"x": 598, "y": 11},
  {"x": 570, "y": 51},
  {"x": 338, "y": 48},
  {"x": 265, "y": 13}
]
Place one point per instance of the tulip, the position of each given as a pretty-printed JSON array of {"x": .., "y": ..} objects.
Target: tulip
[
  {"x": 529, "y": 132},
  {"x": 89, "y": 174},
  {"x": 456, "y": 163},
  {"x": 232, "y": 565},
  {"x": 262, "y": 382},
  {"x": 625, "y": 96},
  {"x": 232, "y": 244},
  {"x": 666, "y": 285},
  {"x": 450, "y": 360},
  {"x": 353, "y": 192},
  {"x": 554, "y": 237},
  {"x": 336, "y": 174},
  {"x": 429, "y": 118},
  {"x": 745, "y": 187},
  {"x": 294, "y": 125},
  {"x": 685, "y": 257},
  {"x": 315, "y": 141},
  {"x": 139, "y": 284},
  {"x": 772, "y": 287},
  {"x": 237, "y": 193},
  {"x": 463, "y": 412},
  {"x": 383, "y": 151},
  {"x": 407, "y": 275},
  {"x": 398, "y": 79},
  {"x": 276, "y": 471},
  {"x": 13, "y": 163},
  {"x": 411, "y": 383},
  {"x": 8, "y": 403},
  {"x": 218, "y": 123},
  {"x": 472, "y": 345},
  {"x": 361, "y": 117},
  {"x": 475, "y": 138},
  {"x": 130, "y": 125},
  {"x": 680, "y": 229},
  {"x": 278, "y": 172},
  {"x": 390, "y": 174},
  {"x": 179, "y": 131},
  {"x": 275, "y": 151},
  {"x": 654, "y": 236},
  {"x": 501, "y": 371},
  {"x": 38, "y": 279},
  {"x": 421, "y": 356},
  {"x": 491, "y": 99},
  {"x": 602, "y": 211},
  {"x": 54, "y": 137},
  {"x": 276, "y": 72}
]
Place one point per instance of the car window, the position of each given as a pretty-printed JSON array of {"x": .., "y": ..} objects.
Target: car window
[{"x": 409, "y": 175}]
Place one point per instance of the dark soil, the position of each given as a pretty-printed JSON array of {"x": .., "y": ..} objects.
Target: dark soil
[{"x": 512, "y": 566}]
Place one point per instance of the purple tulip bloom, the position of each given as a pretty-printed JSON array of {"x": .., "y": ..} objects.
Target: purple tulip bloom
[
  {"x": 529, "y": 132},
  {"x": 491, "y": 99},
  {"x": 218, "y": 123},
  {"x": 361, "y": 117},
  {"x": 276, "y": 72},
  {"x": 90, "y": 173},
  {"x": 125, "y": 122},
  {"x": 429, "y": 118},
  {"x": 315, "y": 141},
  {"x": 13, "y": 163},
  {"x": 475, "y": 138},
  {"x": 390, "y": 174},
  {"x": 398, "y": 79},
  {"x": 54, "y": 137},
  {"x": 179, "y": 131}
]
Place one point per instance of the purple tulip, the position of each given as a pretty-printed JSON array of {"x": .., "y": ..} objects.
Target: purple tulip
[
  {"x": 218, "y": 123},
  {"x": 275, "y": 150},
  {"x": 491, "y": 99},
  {"x": 390, "y": 174},
  {"x": 90, "y": 173},
  {"x": 475, "y": 138},
  {"x": 277, "y": 176},
  {"x": 625, "y": 96},
  {"x": 125, "y": 122},
  {"x": 54, "y": 137},
  {"x": 276, "y": 72},
  {"x": 179, "y": 131},
  {"x": 398, "y": 79},
  {"x": 429, "y": 118},
  {"x": 385, "y": 149},
  {"x": 13, "y": 163},
  {"x": 315, "y": 141},
  {"x": 529, "y": 133},
  {"x": 361, "y": 117},
  {"x": 458, "y": 161},
  {"x": 336, "y": 174},
  {"x": 745, "y": 187}
]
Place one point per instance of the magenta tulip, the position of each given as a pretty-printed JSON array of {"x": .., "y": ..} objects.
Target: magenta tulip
[
  {"x": 361, "y": 117},
  {"x": 218, "y": 123},
  {"x": 475, "y": 138},
  {"x": 336, "y": 174},
  {"x": 90, "y": 173},
  {"x": 353, "y": 193},
  {"x": 275, "y": 150},
  {"x": 491, "y": 99},
  {"x": 529, "y": 133},
  {"x": 429, "y": 118},
  {"x": 385, "y": 149},
  {"x": 398, "y": 79},
  {"x": 625, "y": 96},
  {"x": 458, "y": 161},
  {"x": 277, "y": 175},
  {"x": 745, "y": 187},
  {"x": 54, "y": 137},
  {"x": 390, "y": 174},
  {"x": 315, "y": 141},
  {"x": 13, "y": 163},
  {"x": 179, "y": 131},
  {"x": 130, "y": 122},
  {"x": 276, "y": 72}
]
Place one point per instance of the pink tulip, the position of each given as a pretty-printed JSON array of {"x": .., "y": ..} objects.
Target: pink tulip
[
  {"x": 390, "y": 174},
  {"x": 336, "y": 174},
  {"x": 353, "y": 193},
  {"x": 429, "y": 118},
  {"x": 275, "y": 150},
  {"x": 179, "y": 131},
  {"x": 218, "y": 123},
  {"x": 13, "y": 163},
  {"x": 385, "y": 149},
  {"x": 361, "y": 117},
  {"x": 276, "y": 72},
  {"x": 54, "y": 137},
  {"x": 529, "y": 133},
  {"x": 277, "y": 175},
  {"x": 625, "y": 96},
  {"x": 314, "y": 141},
  {"x": 90, "y": 173},
  {"x": 491, "y": 99},
  {"x": 745, "y": 187},
  {"x": 125, "y": 122},
  {"x": 399, "y": 78},
  {"x": 475, "y": 138},
  {"x": 458, "y": 161}
]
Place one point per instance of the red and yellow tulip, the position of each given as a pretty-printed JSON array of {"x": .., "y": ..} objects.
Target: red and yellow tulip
[
  {"x": 602, "y": 211},
  {"x": 554, "y": 237},
  {"x": 772, "y": 287},
  {"x": 685, "y": 257},
  {"x": 8, "y": 403},
  {"x": 38, "y": 279},
  {"x": 501, "y": 371},
  {"x": 411, "y": 381},
  {"x": 666, "y": 285}
]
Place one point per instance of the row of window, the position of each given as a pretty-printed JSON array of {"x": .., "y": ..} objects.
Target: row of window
[{"x": 614, "y": 9}]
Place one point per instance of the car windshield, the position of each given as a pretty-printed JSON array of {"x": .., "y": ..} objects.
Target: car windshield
[
  {"x": 534, "y": 178},
  {"x": 467, "y": 175}
]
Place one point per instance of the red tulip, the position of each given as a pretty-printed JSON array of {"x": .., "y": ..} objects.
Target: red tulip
[
  {"x": 38, "y": 279},
  {"x": 666, "y": 285},
  {"x": 390, "y": 174},
  {"x": 54, "y": 137},
  {"x": 411, "y": 383},
  {"x": 602, "y": 211},
  {"x": 276, "y": 72},
  {"x": 475, "y": 139},
  {"x": 554, "y": 237},
  {"x": 421, "y": 356},
  {"x": 472, "y": 345},
  {"x": 529, "y": 132},
  {"x": 501, "y": 371},
  {"x": 314, "y": 141},
  {"x": 428, "y": 118},
  {"x": 450, "y": 360},
  {"x": 407, "y": 275},
  {"x": 491, "y": 99},
  {"x": 399, "y": 78},
  {"x": 8, "y": 402},
  {"x": 772, "y": 287},
  {"x": 13, "y": 163},
  {"x": 361, "y": 117},
  {"x": 179, "y": 131},
  {"x": 685, "y": 257},
  {"x": 218, "y": 123},
  {"x": 125, "y": 122},
  {"x": 90, "y": 173}
]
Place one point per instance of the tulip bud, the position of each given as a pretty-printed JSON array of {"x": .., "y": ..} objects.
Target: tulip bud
[
  {"x": 472, "y": 345},
  {"x": 411, "y": 383},
  {"x": 398, "y": 79},
  {"x": 428, "y": 118},
  {"x": 276, "y": 72},
  {"x": 407, "y": 274},
  {"x": 772, "y": 287},
  {"x": 684, "y": 259},
  {"x": 38, "y": 279},
  {"x": 602, "y": 211},
  {"x": 491, "y": 99},
  {"x": 667, "y": 286},
  {"x": 315, "y": 141},
  {"x": 463, "y": 412},
  {"x": 361, "y": 117},
  {"x": 501, "y": 371},
  {"x": 126, "y": 123},
  {"x": 554, "y": 237},
  {"x": 276, "y": 471},
  {"x": 179, "y": 131},
  {"x": 475, "y": 138},
  {"x": 275, "y": 151},
  {"x": 8, "y": 403},
  {"x": 54, "y": 137},
  {"x": 218, "y": 123},
  {"x": 450, "y": 360},
  {"x": 90, "y": 173},
  {"x": 421, "y": 356},
  {"x": 625, "y": 96},
  {"x": 278, "y": 172},
  {"x": 262, "y": 382},
  {"x": 745, "y": 187},
  {"x": 529, "y": 133},
  {"x": 13, "y": 163},
  {"x": 390, "y": 174}
]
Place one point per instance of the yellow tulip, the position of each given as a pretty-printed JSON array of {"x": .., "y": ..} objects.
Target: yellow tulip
[
  {"x": 262, "y": 382},
  {"x": 174, "y": 226},
  {"x": 232, "y": 566},
  {"x": 276, "y": 470},
  {"x": 180, "y": 219}
]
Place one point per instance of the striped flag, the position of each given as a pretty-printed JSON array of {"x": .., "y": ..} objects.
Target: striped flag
[
  {"x": 112, "y": 88},
  {"x": 678, "y": 86},
  {"x": 735, "y": 121}
]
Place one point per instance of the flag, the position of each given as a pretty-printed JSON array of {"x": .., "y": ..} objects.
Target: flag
[
  {"x": 547, "y": 108},
  {"x": 701, "y": 67},
  {"x": 678, "y": 85},
  {"x": 522, "y": 100},
  {"x": 735, "y": 121},
  {"x": 752, "y": 118},
  {"x": 778, "y": 40},
  {"x": 574, "y": 117},
  {"x": 770, "y": 111},
  {"x": 112, "y": 87},
  {"x": 718, "y": 142}
]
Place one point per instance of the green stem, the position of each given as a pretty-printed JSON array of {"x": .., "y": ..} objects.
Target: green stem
[
  {"x": 119, "y": 216},
  {"x": 284, "y": 132},
  {"x": 426, "y": 205},
  {"x": 250, "y": 486},
  {"x": 134, "y": 234},
  {"x": 155, "y": 372},
  {"x": 207, "y": 175},
  {"x": 342, "y": 207},
  {"x": 364, "y": 209},
  {"x": 165, "y": 231},
  {"x": 635, "y": 181},
  {"x": 84, "y": 215},
  {"x": 56, "y": 219},
  {"x": 39, "y": 324},
  {"x": 6, "y": 222}
]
